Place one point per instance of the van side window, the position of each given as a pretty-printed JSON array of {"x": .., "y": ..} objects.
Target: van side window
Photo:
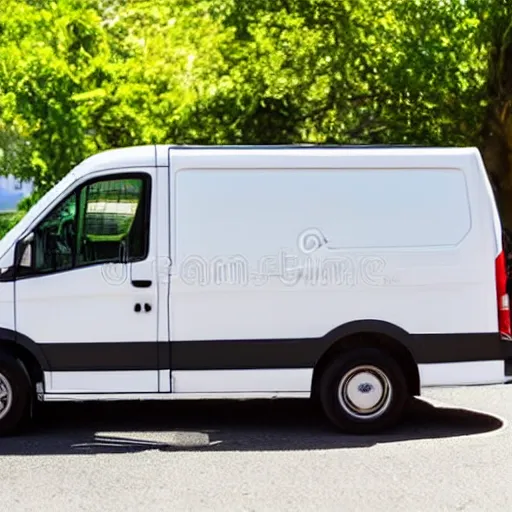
[
  {"x": 54, "y": 239},
  {"x": 103, "y": 221},
  {"x": 111, "y": 225}
]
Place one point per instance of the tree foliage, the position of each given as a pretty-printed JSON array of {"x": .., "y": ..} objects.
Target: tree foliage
[
  {"x": 80, "y": 76},
  {"x": 393, "y": 71}
]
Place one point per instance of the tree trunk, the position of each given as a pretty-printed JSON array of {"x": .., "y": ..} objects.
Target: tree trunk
[
  {"x": 497, "y": 154},
  {"x": 497, "y": 131}
]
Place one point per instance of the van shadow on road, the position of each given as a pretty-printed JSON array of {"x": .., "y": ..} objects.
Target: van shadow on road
[{"x": 96, "y": 428}]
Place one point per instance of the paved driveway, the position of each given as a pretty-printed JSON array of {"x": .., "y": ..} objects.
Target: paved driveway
[{"x": 261, "y": 456}]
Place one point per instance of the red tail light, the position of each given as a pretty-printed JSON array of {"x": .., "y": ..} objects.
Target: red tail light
[{"x": 502, "y": 296}]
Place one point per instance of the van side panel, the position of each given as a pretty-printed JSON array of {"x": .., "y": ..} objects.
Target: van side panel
[
  {"x": 283, "y": 245},
  {"x": 257, "y": 252}
]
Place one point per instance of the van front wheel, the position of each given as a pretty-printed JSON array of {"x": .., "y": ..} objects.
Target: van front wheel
[
  {"x": 14, "y": 394},
  {"x": 364, "y": 391}
]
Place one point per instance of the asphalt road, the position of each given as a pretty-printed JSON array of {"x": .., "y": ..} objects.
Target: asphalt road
[{"x": 271, "y": 456}]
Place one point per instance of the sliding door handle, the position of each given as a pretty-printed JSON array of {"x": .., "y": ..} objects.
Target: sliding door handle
[{"x": 141, "y": 283}]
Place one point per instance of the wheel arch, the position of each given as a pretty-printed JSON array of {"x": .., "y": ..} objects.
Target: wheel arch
[
  {"x": 25, "y": 349},
  {"x": 375, "y": 334}
]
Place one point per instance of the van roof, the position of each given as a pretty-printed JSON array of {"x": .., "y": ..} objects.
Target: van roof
[
  {"x": 148, "y": 155},
  {"x": 305, "y": 146}
]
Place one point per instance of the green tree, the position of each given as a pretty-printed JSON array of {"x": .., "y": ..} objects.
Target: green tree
[
  {"x": 355, "y": 72},
  {"x": 48, "y": 54}
]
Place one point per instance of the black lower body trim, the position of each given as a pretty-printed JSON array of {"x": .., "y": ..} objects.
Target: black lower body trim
[
  {"x": 507, "y": 350},
  {"x": 253, "y": 354},
  {"x": 451, "y": 348},
  {"x": 508, "y": 368},
  {"x": 76, "y": 357}
]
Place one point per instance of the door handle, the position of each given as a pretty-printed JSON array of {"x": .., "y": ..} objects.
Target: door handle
[{"x": 141, "y": 283}]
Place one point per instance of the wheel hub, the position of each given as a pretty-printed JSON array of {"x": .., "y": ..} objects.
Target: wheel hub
[
  {"x": 5, "y": 396},
  {"x": 365, "y": 392}
]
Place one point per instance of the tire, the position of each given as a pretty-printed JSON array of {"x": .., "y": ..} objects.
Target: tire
[
  {"x": 363, "y": 375},
  {"x": 15, "y": 394}
]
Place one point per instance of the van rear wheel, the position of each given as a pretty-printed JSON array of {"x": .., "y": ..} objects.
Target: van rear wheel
[
  {"x": 14, "y": 394},
  {"x": 363, "y": 391}
]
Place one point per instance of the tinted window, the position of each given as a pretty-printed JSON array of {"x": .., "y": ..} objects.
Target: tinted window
[
  {"x": 55, "y": 240},
  {"x": 103, "y": 221}
]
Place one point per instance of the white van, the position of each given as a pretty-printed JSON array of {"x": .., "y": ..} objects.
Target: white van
[{"x": 353, "y": 275}]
